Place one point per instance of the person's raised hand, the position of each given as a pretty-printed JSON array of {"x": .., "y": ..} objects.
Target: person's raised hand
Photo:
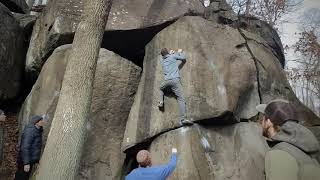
[
  {"x": 171, "y": 51},
  {"x": 174, "y": 150}
]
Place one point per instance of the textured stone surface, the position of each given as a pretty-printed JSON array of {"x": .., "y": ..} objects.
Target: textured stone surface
[
  {"x": 26, "y": 22},
  {"x": 115, "y": 84},
  {"x": 36, "y": 2},
  {"x": 316, "y": 132},
  {"x": 219, "y": 79},
  {"x": 220, "y": 11},
  {"x": 12, "y": 54},
  {"x": 57, "y": 24},
  {"x": 227, "y": 152},
  {"x": 265, "y": 31},
  {"x": 19, "y": 6},
  {"x": 273, "y": 81},
  {"x": 45, "y": 92}
]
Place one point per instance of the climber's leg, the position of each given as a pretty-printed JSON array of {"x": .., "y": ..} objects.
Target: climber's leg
[
  {"x": 177, "y": 90},
  {"x": 163, "y": 86}
]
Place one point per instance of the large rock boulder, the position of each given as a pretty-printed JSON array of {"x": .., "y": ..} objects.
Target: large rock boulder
[
  {"x": 115, "y": 83},
  {"x": 31, "y": 3},
  {"x": 26, "y": 22},
  {"x": 19, "y": 6},
  {"x": 12, "y": 54},
  {"x": 217, "y": 79},
  {"x": 45, "y": 92},
  {"x": 233, "y": 152},
  {"x": 272, "y": 79},
  {"x": 225, "y": 77},
  {"x": 220, "y": 11},
  {"x": 57, "y": 24},
  {"x": 266, "y": 31},
  {"x": 316, "y": 132}
]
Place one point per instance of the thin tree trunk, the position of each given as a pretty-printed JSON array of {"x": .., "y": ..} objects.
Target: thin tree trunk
[
  {"x": 302, "y": 91},
  {"x": 248, "y": 5},
  {"x": 62, "y": 153}
]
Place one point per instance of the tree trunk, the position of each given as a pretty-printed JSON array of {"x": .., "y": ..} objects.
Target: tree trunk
[
  {"x": 248, "y": 6},
  {"x": 62, "y": 153}
]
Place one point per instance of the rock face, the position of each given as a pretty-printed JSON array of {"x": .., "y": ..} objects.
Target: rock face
[
  {"x": 228, "y": 152},
  {"x": 57, "y": 24},
  {"x": 316, "y": 132},
  {"x": 12, "y": 54},
  {"x": 273, "y": 83},
  {"x": 26, "y": 22},
  {"x": 265, "y": 31},
  {"x": 220, "y": 11},
  {"x": 36, "y": 2},
  {"x": 219, "y": 79},
  {"x": 19, "y": 6},
  {"x": 115, "y": 84}
]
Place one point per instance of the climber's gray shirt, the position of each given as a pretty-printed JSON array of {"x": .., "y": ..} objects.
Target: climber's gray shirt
[{"x": 170, "y": 66}]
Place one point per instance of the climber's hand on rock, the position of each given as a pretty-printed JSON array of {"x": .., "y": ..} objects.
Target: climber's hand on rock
[
  {"x": 26, "y": 168},
  {"x": 179, "y": 50},
  {"x": 174, "y": 150}
]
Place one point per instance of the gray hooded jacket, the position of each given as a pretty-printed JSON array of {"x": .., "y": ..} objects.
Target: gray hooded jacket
[
  {"x": 292, "y": 156},
  {"x": 298, "y": 141}
]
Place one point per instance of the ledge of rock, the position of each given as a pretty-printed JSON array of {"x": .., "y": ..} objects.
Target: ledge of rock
[
  {"x": 273, "y": 81},
  {"x": 207, "y": 152}
]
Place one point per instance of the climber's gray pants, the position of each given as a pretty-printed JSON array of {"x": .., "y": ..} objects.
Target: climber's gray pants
[{"x": 175, "y": 86}]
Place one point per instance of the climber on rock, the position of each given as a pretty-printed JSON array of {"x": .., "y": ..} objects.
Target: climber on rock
[
  {"x": 172, "y": 81},
  {"x": 146, "y": 171},
  {"x": 293, "y": 146},
  {"x": 30, "y": 147}
]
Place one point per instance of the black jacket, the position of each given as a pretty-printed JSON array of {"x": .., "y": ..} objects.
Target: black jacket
[{"x": 31, "y": 142}]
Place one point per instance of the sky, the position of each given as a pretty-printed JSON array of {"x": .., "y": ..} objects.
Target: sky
[
  {"x": 289, "y": 35},
  {"x": 288, "y": 30}
]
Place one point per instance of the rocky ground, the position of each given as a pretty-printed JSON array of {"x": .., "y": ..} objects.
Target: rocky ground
[{"x": 10, "y": 148}]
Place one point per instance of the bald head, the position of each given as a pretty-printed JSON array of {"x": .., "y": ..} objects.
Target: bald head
[{"x": 144, "y": 158}]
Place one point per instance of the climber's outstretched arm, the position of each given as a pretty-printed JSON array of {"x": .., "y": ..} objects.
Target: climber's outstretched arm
[{"x": 169, "y": 168}]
